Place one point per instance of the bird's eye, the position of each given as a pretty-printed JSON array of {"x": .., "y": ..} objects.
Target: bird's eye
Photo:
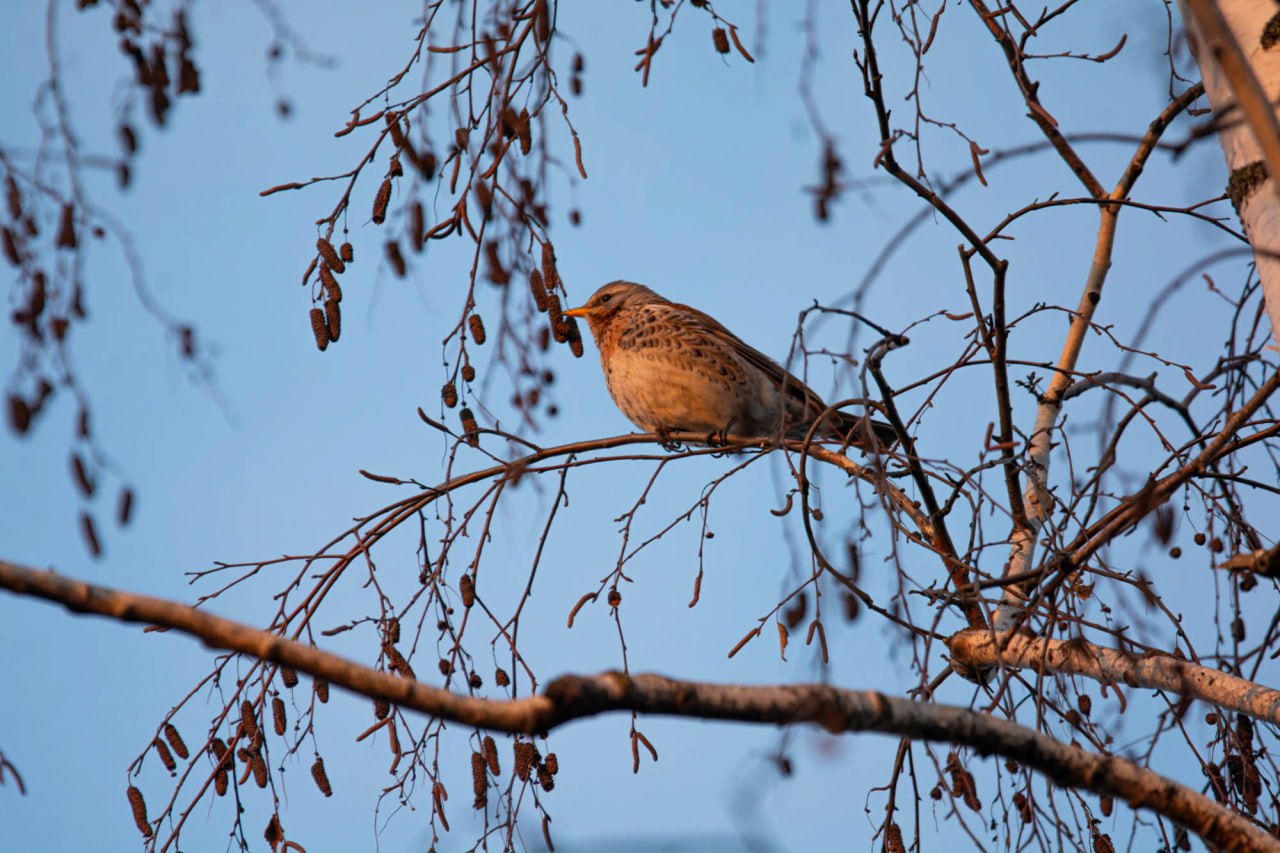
[{"x": 605, "y": 298}]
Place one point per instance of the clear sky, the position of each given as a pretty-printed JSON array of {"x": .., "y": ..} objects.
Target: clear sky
[{"x": 696, "y": 188}]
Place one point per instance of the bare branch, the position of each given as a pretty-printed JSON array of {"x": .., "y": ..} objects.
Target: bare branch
[{"x": 573, "y": 697}]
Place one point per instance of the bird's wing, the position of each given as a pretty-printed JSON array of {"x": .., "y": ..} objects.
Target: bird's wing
[
  {"x": 842, "y": 422},
  {"x": 812, "y": 402}
]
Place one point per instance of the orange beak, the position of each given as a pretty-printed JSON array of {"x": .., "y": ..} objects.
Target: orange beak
[{"x": 581, "y": 311}]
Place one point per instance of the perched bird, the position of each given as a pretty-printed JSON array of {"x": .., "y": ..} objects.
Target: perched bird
[{"x": 670, "y": 367}]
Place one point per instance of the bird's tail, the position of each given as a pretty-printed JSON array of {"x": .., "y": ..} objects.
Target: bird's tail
[{"x": 859, "y": 429}]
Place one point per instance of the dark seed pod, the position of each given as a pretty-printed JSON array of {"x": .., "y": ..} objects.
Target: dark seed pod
[
  {"x": 124, "y": 510},
  {"x": 893, "y": 839},
  {"x": 1023, "y": 806},
  {"x": 322, "y": 778},
  {"x": 66, "y": 238},
  {"x": 90, "y": 532},
  {"x": 501, "y": 678},
  {"x": 259, "y": 767},
  {"x": 484, "y": 197},
  {"x": 322, "y": 690},
  {"x": 507, "y": 121},
  {"x": 524, "y": 752},
  {"x": 538, "y": 289},
  {"x": 461, "y": 137},
  {"x": 325, "y": 248},
  {"x": 248, "y": 720},
  {"x": 559, "y": 329},
  {"x": 381, "y": 200},
  {"x": 19, "y": 414},
  {"x": 394, "y": 169},
  {"x": 496, "y": 273},
  {"x": 395, "y": 259},
  {"x": 11, "y": 247},
  {"x": 274, "y": 831},
  {"x": 491, "y": 756},
  {"x": 479, "y": 783},
  {"x": 574, "y": 337},
  {"x": 347, "y": 253},
  {"x": 470, "y": 428},
  {"x": 333, "y": 318},
  {"x": 128, "y": 139},
  {"x": 381, "y": 708},
  {"x": 1244, "y": 732},
  {"x": 166, "y": 757},
  {"x": 396, "y": 130},
  {"x": 449, "y": 394},
  {"x": 277, "y": 715},
  {"x": 330, "y": 283},
  {"x": 220, "y": 783},
  {"x": 550, "y": 276},
  {"x": 175, "y": 740},
  {"x": 544, "y": 778},
  {"x": 289, "y": 676},
  {"x": 525, "y": 132},
  {"x": 81, "y": 473},
  {"x": 320, "y": 328},
  {"x": 139, "y": 806},
  {"x": 467, "y": 588},
  {"x": 468, "y": 373},
  {"x": 417, "y": 226},
  {"x": 720, "y": 39},
  {"x": 476, "y": 324},
  {"x": 615, "y": 598},
  {"x": 552, "y": 763},
  {"x": 13, "y": 197}
]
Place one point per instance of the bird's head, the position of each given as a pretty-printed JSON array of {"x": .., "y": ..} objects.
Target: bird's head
[{"x": 606, "y": 302}]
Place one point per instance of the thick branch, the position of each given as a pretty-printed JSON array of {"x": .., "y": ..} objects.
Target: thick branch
[
  {"x": 573, "y": 697},
  {"x": 983, "y": 649}
]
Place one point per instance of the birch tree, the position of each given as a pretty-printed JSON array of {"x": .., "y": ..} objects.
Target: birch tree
[{"x": 1073, "y": 532}]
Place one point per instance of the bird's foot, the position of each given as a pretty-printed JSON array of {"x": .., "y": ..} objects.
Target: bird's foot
[
  {"x": 718, "y": 437},
  {"x": 664, "y": 439}
]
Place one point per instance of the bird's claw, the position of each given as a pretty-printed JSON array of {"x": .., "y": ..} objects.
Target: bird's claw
[
  {"x": 718, "y": 437},
  {"x": 665, "y": 440}
]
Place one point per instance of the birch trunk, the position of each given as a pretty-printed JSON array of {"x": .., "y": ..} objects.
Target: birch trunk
[{"x": 1237, "y": 46}]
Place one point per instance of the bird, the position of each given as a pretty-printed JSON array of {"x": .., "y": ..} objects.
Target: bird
[{"x": 672, "y": 368}]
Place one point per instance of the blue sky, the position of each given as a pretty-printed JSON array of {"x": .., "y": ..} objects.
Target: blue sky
[{"x": 696, "y": 188}]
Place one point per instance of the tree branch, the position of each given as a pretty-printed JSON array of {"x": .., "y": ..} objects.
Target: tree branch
[
  {"x": 983, "y": 649},
  {"x": 574, "y": 697}
]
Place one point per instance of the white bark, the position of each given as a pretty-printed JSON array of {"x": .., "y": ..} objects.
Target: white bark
[{"x": 1247, "y": 127}]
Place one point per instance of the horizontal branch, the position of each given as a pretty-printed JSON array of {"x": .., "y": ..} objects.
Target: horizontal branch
[
  {"x": 982, "y": 649},
  {"x": 574, "y": 697}
]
